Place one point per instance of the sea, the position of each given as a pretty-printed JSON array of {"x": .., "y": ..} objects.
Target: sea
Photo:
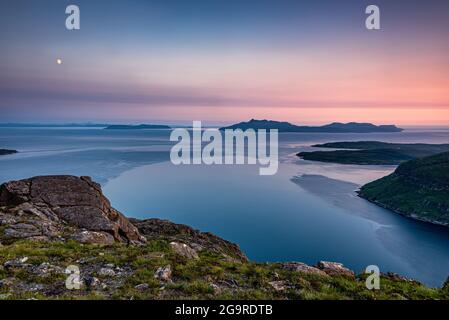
[{"x": 308, "y": 211}]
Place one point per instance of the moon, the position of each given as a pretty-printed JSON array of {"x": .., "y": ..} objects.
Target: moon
[{"x": 59, "y": 61}]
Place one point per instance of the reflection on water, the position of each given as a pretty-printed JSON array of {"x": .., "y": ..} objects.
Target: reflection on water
[{"x": 307, "y": 212}]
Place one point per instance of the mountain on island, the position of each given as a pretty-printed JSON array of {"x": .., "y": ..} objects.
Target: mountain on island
[
  {"x": 335, "y": 127},
  {"x": 418, "y": 189},
  {"x": 136, "y": 127}
]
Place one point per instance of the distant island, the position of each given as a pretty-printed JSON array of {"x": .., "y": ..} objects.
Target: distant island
[
  {"x": 4, "y": 152},
  {"x": 136, "y": 127},
  {"x": 418, "y": 189},
  {"x": 53, "y": 125},
  {"x": 372, "y": 152},
  {"x": 336, "y": 127},
  {"x": 84, "y": 125}
]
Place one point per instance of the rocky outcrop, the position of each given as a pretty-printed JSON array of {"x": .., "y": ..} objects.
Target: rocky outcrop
[
  {"x": 93, "y": 237},
  {"x": 301, "y": 267},
  {"x": 335, "y": 269},
  {"x": 184, "y": 250},
  {"x": 49, "y": 207},
  {"x": 163, "y": 273},
  {"x": 180, "y": 234}
]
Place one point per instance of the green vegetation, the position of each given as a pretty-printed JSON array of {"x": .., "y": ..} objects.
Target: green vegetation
[
  {"x": 418, "y": 189},
  {"x": 211, "y": 276},
  {"x": 372, "y": 152}
]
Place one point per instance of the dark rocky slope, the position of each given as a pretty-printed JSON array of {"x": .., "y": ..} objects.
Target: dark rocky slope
[
  {"x": 372, "y": 152},
  {"x": 418, "y": 189},
  {"x": 50, "y": 223},
  {"x": 59, "y": 207}
]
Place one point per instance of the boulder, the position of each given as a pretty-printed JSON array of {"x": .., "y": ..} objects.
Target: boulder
[
  {"x": 163, "y": 273},
  {"x": 335, "y": 268},
  {"x": 279, "y": 285},
  {"x": 92, "y": 282},
  {"x": 22, "y": 230},
  {"x": 46, "y": 269},
  {"x": 184, "y": 250},
  {"x": 16, "y": 263},
  {"x": 49, "y": 205},
  {"x": 397, "y": 277},
  {"x": 302, "y": 267},
  {"x": 106, "y": 272},
  {"x": 93, "y": 237}
]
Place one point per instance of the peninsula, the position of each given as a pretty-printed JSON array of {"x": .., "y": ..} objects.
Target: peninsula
[
  {"x": 418, "y": 189},
  {"x": 372, "y": 152}
]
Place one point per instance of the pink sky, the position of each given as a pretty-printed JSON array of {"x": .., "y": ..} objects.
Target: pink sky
[{"x": 311, "y": 71}]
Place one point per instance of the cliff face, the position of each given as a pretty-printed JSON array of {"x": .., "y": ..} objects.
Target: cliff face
[
  {"x": 50, "y": 223},
  {"x": 53, "y": 207},
  {"x": 418, "y": 189}
]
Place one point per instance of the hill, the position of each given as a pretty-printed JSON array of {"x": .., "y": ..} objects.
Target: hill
[
  {"x": 418, "y": 189},
  {"x": 336, "y": 127},
  {"x": 372, "y": 152}
]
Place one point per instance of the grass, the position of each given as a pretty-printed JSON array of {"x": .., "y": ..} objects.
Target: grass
[
  {"x": 419, "y": 187},
  {"x": 210, "y": 277},
  {"x": 372, "y": 152}
]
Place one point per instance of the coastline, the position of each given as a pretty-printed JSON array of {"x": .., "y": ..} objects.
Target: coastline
[{"x": 403, "y": 214}]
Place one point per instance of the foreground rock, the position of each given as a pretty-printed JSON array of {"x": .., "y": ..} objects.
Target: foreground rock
[
  {"x": 163, "y": 273},
  {"x": 336, "y": 269},
  {"x": 184, "y": 250},
  {"x": 51, "y": 207},
  {"x": 180, "y": 235},
  {"x": 302, "y": 267}
]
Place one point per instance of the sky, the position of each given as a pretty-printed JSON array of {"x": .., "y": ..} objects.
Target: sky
[{"x": 175, "y": 61}]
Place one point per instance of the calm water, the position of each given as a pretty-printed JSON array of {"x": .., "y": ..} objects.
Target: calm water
[{"x": 306, "y": 212}]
